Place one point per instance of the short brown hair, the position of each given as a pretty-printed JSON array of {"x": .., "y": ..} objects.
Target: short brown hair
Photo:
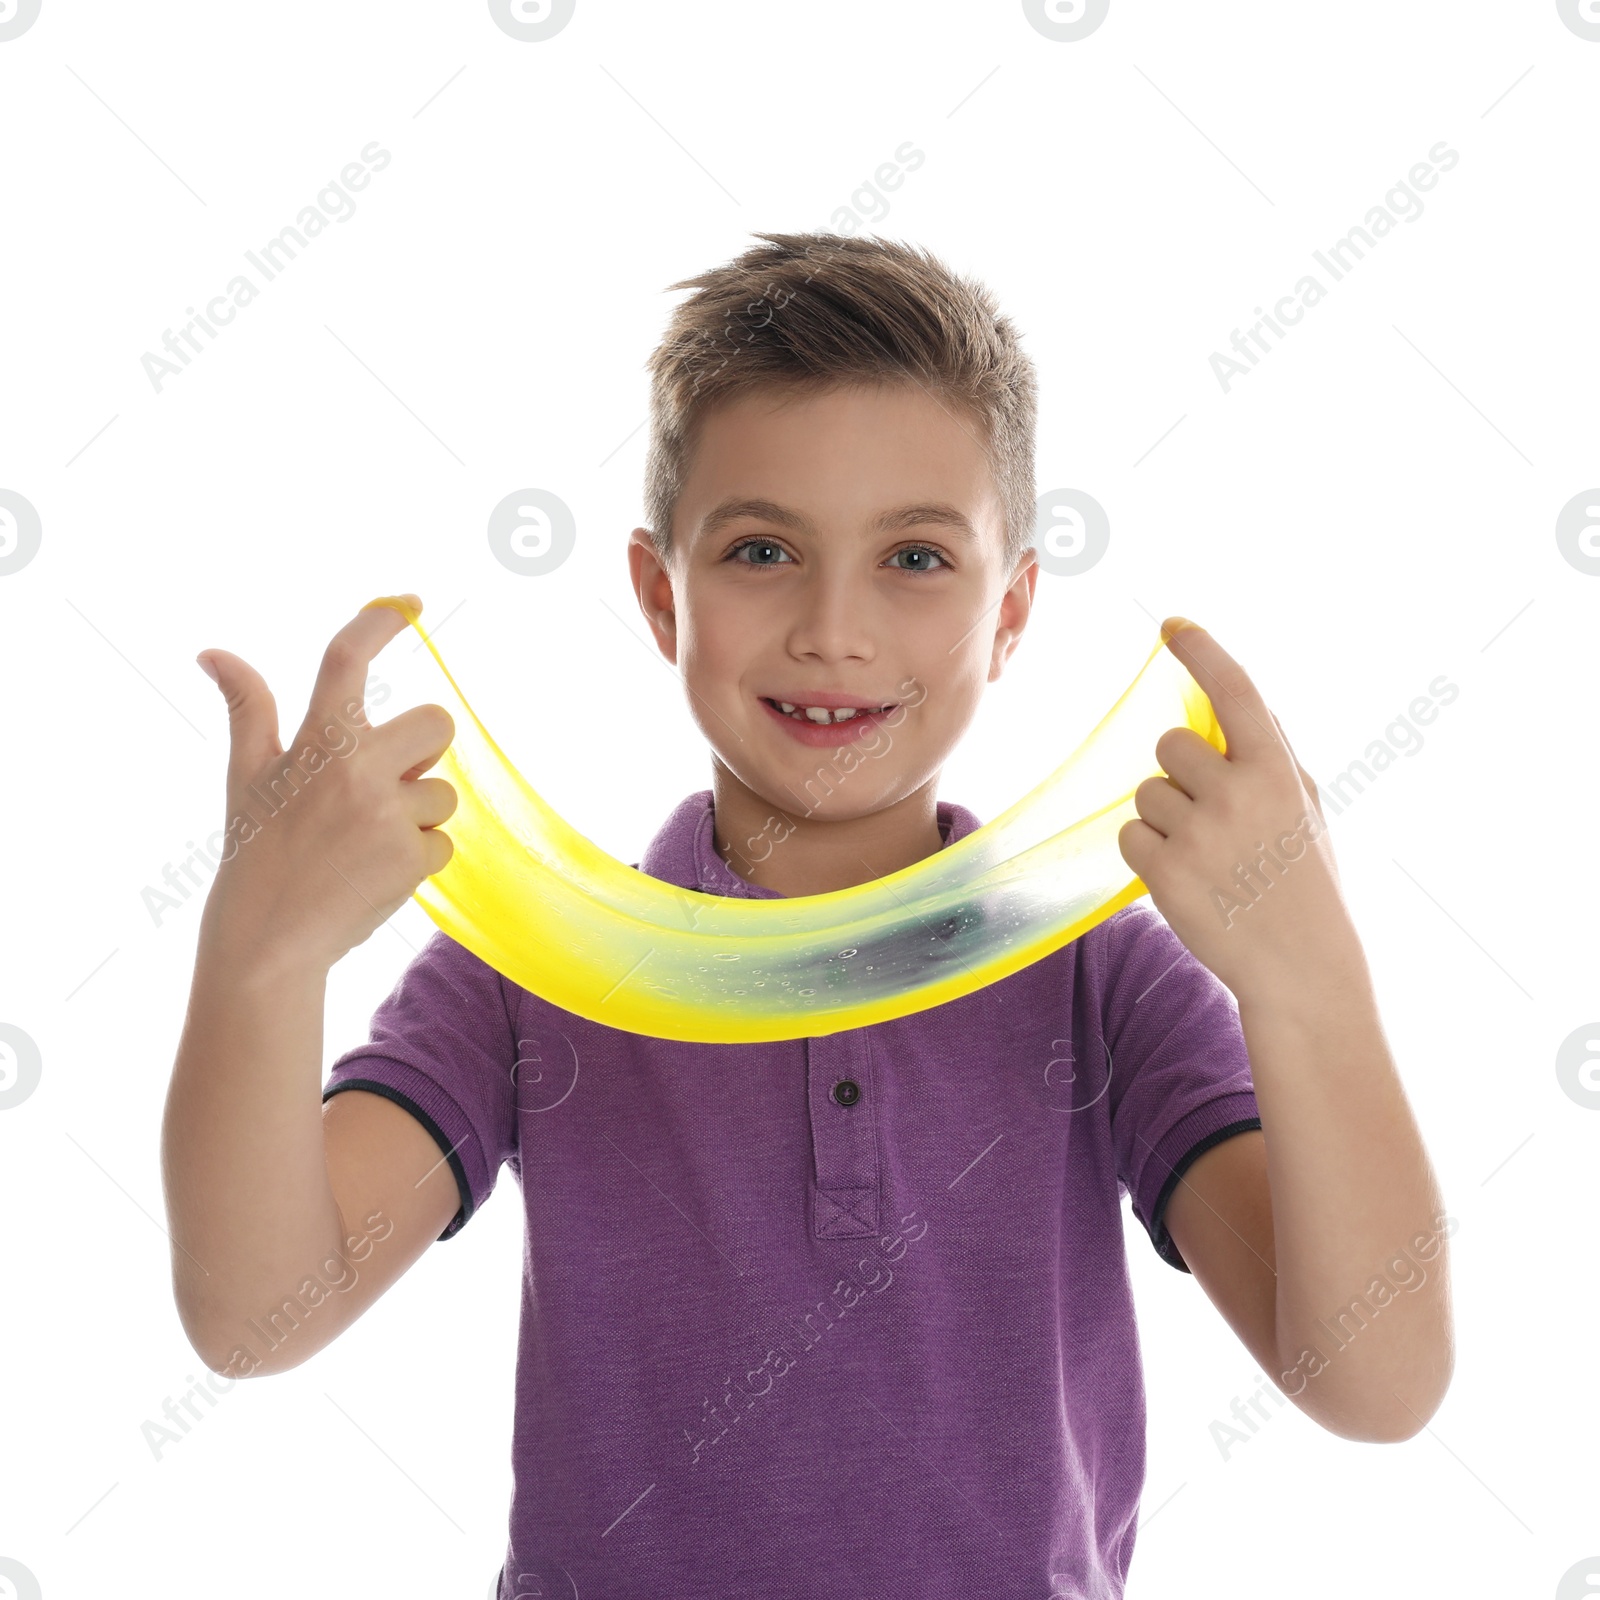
[{"x": 813, "y": 311}]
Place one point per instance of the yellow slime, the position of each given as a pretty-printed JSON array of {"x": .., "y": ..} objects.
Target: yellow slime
[{"x": 541, "y": 904}]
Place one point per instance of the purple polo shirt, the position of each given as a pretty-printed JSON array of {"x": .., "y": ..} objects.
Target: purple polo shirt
[{"x": 781, "y": 1337}]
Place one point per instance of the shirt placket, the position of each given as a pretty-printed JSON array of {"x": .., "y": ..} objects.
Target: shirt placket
[{"x": 844, "y": 1142}]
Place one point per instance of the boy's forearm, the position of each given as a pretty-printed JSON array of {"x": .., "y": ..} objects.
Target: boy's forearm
[
  {"x": 1363, "y": 1304},
  {"x": 249, "y": 1204}
]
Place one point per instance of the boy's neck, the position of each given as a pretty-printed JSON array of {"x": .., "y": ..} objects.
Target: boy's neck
[{"x": 796, "y": 853}]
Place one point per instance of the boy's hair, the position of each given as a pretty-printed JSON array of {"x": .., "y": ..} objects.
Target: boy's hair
[{"x": 814, "y": 311}]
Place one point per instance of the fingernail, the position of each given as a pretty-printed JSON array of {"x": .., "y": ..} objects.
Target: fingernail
[
  {"x": 408, "y": 605},
  {"x": 207, "y": 668},
  {"x": 1180, "y": 623}
]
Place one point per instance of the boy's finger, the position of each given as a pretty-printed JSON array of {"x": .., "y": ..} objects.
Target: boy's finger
[
  {"x": 252, "y": 717},
  {"x": 342, "y": 678},
  {"x": 413, "y": 741},
  {"x": 1305, "y": 777},
  {"x": 1246, "y": 721}
]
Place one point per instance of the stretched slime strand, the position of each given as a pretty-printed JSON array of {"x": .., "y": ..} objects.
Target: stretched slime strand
[{"x": 550, "y": 910}]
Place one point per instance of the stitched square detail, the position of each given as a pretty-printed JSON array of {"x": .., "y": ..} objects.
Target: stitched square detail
[{"x": 846, "y": 1213}]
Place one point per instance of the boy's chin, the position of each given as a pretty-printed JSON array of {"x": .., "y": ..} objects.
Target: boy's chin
[{"x": 812, "y": 792}]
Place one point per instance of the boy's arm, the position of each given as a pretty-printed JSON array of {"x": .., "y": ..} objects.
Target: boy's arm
[
  {"x": 1321, "y": 1239},
  {"x": 324, "y": 841},
  {"x": 1314, "y": 1237},
  {"x": 1220, "y": 1219},
  {"x": 266, "y": 1192}
]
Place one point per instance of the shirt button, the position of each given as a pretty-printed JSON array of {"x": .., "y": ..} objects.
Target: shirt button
[{"x": 846, "y": 1092}]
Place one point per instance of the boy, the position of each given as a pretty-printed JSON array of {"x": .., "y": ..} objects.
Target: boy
[{"x": 845, "y": 1315}]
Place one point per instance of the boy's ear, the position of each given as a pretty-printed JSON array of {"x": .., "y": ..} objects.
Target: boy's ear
[
  {"x": 1015, "y": 608},
  {"x": 652, "y": 586}
]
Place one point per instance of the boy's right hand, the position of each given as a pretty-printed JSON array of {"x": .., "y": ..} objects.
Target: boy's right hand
[{"x": 327, "y": 840}]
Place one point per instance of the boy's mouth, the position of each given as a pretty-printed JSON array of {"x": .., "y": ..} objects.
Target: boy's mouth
[
  {"x": 822, "y": 727},
  {"x": 824, "y": 715}
]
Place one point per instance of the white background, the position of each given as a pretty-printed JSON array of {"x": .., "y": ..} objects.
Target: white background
[{"x": 1372, "y": 506}]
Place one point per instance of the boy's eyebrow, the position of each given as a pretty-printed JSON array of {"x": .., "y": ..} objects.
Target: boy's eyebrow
[{"x": 946, "y": 516}]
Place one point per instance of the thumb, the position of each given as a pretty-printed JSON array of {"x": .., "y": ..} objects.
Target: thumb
[{"x": 252, "y": 715}]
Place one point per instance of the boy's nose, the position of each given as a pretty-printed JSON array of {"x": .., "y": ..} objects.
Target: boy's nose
[{"x": 831, "y": 620}]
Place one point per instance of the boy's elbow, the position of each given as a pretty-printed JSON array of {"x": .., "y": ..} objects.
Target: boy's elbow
[
  {"x": 223, "y": 1353},
  {"x": 1392, "y": 1417},
  {"x": 217, "y": 1356},
  {"x": 1372, "y": 1427},
  {"x": 232, "y": 1364},
  {"x": 1394, "y": 1427},
  {"x": 203, "y": 1339}
]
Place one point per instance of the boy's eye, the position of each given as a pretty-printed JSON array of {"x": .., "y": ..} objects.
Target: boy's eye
[
  {"x": 767, "y": 548},
  {"x": 919, "y": 550},
  {"x": 773, "y": 555}
]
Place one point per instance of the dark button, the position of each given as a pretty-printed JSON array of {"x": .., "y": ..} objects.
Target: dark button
[{"x": 847, "y": 1091}]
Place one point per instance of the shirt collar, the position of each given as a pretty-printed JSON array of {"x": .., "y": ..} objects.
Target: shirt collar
[{"x": 684, "y": 852}]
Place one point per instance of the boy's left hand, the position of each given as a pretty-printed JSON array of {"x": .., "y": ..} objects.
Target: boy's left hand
[{"x": 1264, "y": 931}]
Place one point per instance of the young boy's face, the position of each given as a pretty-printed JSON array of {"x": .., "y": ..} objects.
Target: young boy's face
[{"x": 819, "y": 557}]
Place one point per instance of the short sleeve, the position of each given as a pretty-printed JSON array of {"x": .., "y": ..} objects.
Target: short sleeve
[
  {"x": 1180, "y": 1073},
  {"x": 443, "y": 1045}
]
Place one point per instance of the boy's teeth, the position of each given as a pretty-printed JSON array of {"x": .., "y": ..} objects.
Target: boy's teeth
[{"x": 817, "y": 713}]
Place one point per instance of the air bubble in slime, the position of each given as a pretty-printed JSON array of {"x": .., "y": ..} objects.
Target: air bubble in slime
[{"x": 551, "y": 911}]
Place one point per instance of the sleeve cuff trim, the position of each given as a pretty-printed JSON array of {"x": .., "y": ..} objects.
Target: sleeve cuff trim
[
  {"x": 1159, "y": 1236},
  {"x": 441, "y": 1138}
]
